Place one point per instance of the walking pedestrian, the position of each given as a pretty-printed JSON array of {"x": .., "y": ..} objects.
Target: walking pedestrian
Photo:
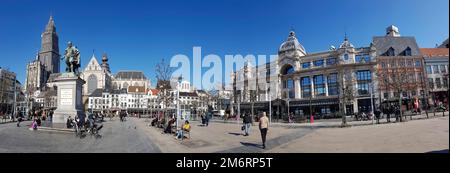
[
  {"x": 247, "y": 121},
  {"x": 397, "y": 114},
  {"x": 19, "y": 119},
  {"x": 377, "y": 115},
  {"x": 207, "y": 118},
  {"x": 388, "y": 116},
  {"x": 263, "y": 127}
]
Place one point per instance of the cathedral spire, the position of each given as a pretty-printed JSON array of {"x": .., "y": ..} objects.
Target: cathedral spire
[
  {"x": 49, "y": 53},
  {"x": 50, "y": 25},
  {"x": 37, "y": 56}
]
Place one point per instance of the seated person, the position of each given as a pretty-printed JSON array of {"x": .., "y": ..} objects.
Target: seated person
[
  {"x": 154, "y": 121},
  {"x": 69, "y": 123},
  {"x": 168, "y": 128},
  {"x": 186, "y": 128},
  {"x": 161, "y": 123}
]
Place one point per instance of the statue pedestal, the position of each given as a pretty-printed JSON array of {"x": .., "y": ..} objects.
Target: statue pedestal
[{"x": 69, "y": 88}]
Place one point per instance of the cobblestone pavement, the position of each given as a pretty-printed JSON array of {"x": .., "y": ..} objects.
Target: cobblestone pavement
[
  {"x": 420, "y": 136},
  {"x": 116, "y": 137},
  {"x": 221, "y": 137},
  {"x": 135, "y": 136}
]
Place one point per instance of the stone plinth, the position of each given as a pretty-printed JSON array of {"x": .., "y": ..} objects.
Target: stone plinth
[{"x": 69, "y": 87}]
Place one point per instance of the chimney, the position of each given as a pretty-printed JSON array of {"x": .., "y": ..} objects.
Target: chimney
[{"x": 392, "y": 31}]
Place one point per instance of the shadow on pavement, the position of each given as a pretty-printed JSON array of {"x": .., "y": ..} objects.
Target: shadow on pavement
[
  {"x": 236, "y": 134},
  {"x": 251, "y": 144},
  {"x": 439, "y": 151}
]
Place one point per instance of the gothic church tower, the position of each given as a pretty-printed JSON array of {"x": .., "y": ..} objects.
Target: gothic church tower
[{"x": 49, "y": 55}]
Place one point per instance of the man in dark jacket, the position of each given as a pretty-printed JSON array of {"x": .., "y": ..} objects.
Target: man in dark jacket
[
  {"x": 247, "y": 120},
  {"x": 377, "y": 115}
]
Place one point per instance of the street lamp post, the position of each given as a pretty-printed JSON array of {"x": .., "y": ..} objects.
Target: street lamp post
[
  {"x": 15, "y": 98},
  {"x": 371, "y": 102},
  {"x": 270, "y": 103},
  {"x": 178, "y": 100}
]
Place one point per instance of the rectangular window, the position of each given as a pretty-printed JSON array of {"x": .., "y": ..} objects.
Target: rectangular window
[
  {"x": 363, "y": 80},
  {"x": 438, "y": 83},
  {"x": 333, "y": 88},
  {"x": 386, "y": 95},
  {"x": 412, "y": 78},
  {"x": 358, "y": 58},
  {"x": 290, "y": 88},
  {"x": 318, "y": 63},
  {"x": 409, "y": 64},
  {"x": 418, "y": 63},
  {"x": 445, "y": 82},
  {"x": 362, "y": 58},
  {"x": 428, "y": 68},
  {"x": 431, "y": 83},
  {"x": 319, "y": 85},
  {"x": 306, "y": 65},
  {"x": 331, "y": 61},
  {"x": 383, "y": 64},
  {"x": 306, "y": 87},
  {"x": 435, "y": 69},
  {"x": 392, "y": 64},
  {"x": 401, "y": 63},
  {"x": 443, "y": 69}
]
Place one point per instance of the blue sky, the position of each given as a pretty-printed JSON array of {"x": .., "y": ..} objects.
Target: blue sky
[{"x": 137, "y": 34}]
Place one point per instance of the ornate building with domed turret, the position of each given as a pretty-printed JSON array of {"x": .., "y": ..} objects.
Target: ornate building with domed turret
[{"x": 302, "y": 83}]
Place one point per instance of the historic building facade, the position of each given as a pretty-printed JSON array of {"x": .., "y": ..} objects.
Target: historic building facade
[
  {"x": 96, "y": 76},
  {"x": 323, "y": 83},
  {"x": 400, "y": 69},
  {"x": 307, "y": 83},
  {"x": 124, "y": 79},
  {"x": 437, "y": 70},
  {"x": 47, "y": 61},
  {"x": 36, "y": 74},
  {"x": 9, "y": 88}
]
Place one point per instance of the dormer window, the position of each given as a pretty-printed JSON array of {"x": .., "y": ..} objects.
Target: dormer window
[
  {"x": 407, "y": 51},
  {"x": 346, "y": 57},
  {"x": 390, "y": 52}
]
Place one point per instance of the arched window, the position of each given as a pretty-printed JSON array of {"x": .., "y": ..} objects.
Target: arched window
[
  {"x": 288, "y": 69},
  {"x": 125, "y": 85},
  {"x": 92, "y": 83},
  {"x": 114, "y": 86}
]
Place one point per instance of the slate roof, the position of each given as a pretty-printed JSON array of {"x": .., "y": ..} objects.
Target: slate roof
[
  {"x": 130, "y": 75},
  {"x": 96, "y": 93},
  {"x": 48, "y": 93},
  {"x": 188, "y": 94},
  {"x": 444, "y": 44},
  {"x": 53, "y": 76},
  {"x": 399, "y": 44}
]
